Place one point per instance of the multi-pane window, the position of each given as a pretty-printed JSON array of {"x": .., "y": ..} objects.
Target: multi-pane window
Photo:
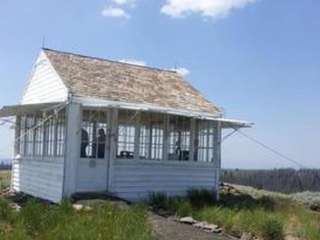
[
  {"x": 126, "y": 134},
  {"x": 144, "y": 142},
  {"x": 38, "y": 141},
  {"x": 179, "y": 138},
  {"x": 93, "y": 134},
  {"x": 29, "y": 135},
  {"x": 60, "y": 135},
  {"x": 151, "y": 136},
  {"x": 41, "y": 135},
  {"x": 157, "y": 141},
  {"x": 21, "y": 135},
  {"x": 205, "y": 141},
  {"x": 49, "y": 137}
]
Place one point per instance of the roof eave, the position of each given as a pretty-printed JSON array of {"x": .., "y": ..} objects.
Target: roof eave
[{"x": 99, "y": 103}]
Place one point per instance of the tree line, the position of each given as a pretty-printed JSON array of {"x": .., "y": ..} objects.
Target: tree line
[{"x": 279, "y": 180}]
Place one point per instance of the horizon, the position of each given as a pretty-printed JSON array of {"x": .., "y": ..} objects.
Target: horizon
[{"x": 259, "y": 61}]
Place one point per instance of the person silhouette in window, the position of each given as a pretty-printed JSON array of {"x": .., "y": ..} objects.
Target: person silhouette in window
[
  {"x": 84, "y": 142},
  {"x": 101, "y": 143}
]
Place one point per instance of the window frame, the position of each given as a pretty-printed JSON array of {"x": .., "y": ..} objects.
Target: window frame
[{"x": 92, "y": 120}]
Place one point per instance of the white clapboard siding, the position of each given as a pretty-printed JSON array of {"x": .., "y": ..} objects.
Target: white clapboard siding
[
  {"x": 92, "y": 175},
  {"x": 135, "y": 180},
  {"x": 41, "y": 178},
  {"x": 44, "y": 84}
]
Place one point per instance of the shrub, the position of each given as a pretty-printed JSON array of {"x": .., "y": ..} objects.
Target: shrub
[
  {"x": 200, "y": 198},
  {"x": 184, "y": 209},
  {"x": 33, "y": 216},
  {"x": 6, "y": 212},
  {"x": 158, "y": 200},
  {"x": 18, "y": 233},
  {"x": 272, "y": 229},
  {"x": 245, "y": 201}
]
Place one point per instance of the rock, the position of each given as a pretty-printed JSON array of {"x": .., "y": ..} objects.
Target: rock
[
  {"x": 217, "y": 230},
  {"x": 208, "y": 227},
  {"x": 200, "y": 224},
  {"x": 315, "y": 206},
  {"x": 15, "y": 207},
  {"x": 79, "y": 207},
  {"x": 187, "y": 220},
  {"x": 246, "y": 236}
]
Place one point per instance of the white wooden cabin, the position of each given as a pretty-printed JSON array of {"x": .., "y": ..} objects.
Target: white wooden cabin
[{"x": 86, "y": 124}]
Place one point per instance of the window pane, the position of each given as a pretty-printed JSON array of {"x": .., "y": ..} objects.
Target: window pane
[
  {"x": 22, "y": 135},
  {"x": 205, "y": 141},
  {"x": 151, "y": 136},
  {"x": 29, "y": 140},
  {"x": 50, "y": 137},
  {"x": 179, "y": 138},
  {"x": 93, "y": 134},
  {"x": 60, "y": 135},
  {"x": 38, "y": 145},
  {"x": 126, "y": 134}
]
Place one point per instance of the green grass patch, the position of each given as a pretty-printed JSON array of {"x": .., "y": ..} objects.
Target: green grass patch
[
  {"x": 266, "y": 217},
  {"x": 50, "y": 222},
  {"x": 4, "y": 179}
]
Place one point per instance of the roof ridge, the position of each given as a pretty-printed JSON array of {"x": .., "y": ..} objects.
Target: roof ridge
[{"x": 109, "y": 60}]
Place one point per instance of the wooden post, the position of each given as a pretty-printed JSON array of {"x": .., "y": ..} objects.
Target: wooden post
[
  {"x": 166, "y": 137},
  {"x": 113, "y": 147},
  {"x": 17, "y": 136},
  {"x": 192, "y": 139},
  {"x": 72, "y": 151},
  {"x": 137, "y": 125},
  {"x": 217, "y": 156}
]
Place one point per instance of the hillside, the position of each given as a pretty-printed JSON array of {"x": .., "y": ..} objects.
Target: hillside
[{"x": 277, "y": 180}]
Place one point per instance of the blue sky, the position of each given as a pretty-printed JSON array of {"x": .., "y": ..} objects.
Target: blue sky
[{"x": 259, "y": 59}]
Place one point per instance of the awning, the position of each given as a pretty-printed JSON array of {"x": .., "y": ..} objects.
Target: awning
[
  {"x": 14, "y": 110},
  {"x": 233, "y": 123},
  {"x": 98, "y": 103}
]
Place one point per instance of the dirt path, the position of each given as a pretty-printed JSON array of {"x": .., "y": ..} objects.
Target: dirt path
[{"x": 168, "y": 229}]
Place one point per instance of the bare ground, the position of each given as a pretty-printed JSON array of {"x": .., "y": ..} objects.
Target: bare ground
[{"x": 169, "y": 229}]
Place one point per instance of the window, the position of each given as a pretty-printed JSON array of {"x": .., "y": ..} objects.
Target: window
[
  {"x": 179, "y": 138},
  {"x": 126, "y": 134},
  {"x": 144, "y": 142},
  {"x": 29, "y": 135},
  {"x": 22, "y": 137},
  {"x": 93, "y": 134},
  {"x": 41, "y": 136},
  {"x": 205, "y": 141},
  {"x": 38, "y": 141},
  {"x": 151, "y": 136},
  {"x": 60, "y": 135},
  {"x": 49, "y": 137}
]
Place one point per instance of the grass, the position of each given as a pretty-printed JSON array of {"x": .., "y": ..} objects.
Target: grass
[
  {"x": 267, "y": 217},
  {"x": 49, "y": 222},
  {"x": 4, "y": 179}
]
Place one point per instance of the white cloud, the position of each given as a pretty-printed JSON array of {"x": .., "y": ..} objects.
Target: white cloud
[
  {"x": 206, "y": 8},
  {"x": 123, "y": 2},
  {"x": 182, "y": 71},
  {"x": 114, "y": 12},
  {"x": 133, "y": 61}
]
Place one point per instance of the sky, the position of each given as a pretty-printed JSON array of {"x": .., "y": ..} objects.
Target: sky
[{"x": 258, "y": 59}]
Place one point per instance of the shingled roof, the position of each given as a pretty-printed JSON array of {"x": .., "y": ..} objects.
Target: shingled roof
[{"x": 116, "y": 81}]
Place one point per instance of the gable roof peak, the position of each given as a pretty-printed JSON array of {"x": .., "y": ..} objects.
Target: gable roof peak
[{"x": 108, "y": 60}]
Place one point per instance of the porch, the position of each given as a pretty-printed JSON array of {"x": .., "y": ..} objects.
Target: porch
[{"x": 127, "y": 152}]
